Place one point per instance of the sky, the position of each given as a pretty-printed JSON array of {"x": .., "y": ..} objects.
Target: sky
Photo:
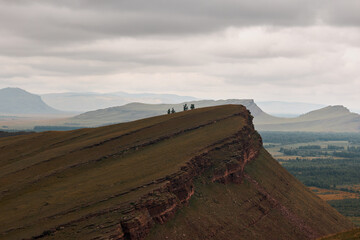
[{"x": 279, "y": 50}]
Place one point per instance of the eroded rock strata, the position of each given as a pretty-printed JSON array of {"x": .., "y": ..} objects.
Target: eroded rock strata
[{"x": 161, "y": 204}]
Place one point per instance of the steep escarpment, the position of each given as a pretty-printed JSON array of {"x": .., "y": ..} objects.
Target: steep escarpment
[
  {"x": 160, "y": 205},
  {"x": 268, "y": 204},
  {"x": 115, "y": 181},
  {"x": 199, "y": 174}
]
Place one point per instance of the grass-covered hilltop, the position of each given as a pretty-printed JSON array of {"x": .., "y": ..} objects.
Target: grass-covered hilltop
[{"x": 198, "y": 174}]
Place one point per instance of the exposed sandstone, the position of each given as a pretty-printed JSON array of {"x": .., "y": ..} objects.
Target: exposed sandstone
[
  {"x": 137, "y": 224},
  {"x": 160, "y": 205}
]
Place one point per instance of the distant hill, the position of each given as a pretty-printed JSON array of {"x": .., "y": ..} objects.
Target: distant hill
[
  {"x": 288, "y": 109},
  {"x": 15, "y": 101},
  {"x": 18, "y": 101},
  {"x": 83, "y": 102},
  {"x": 327, "y": 119},
  {"x": 134, "y": 111},
  {"x": 200, "y": 174}
]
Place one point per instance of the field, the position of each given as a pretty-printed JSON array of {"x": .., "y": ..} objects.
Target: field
[
  {"x": 329, "y": 163},
  {"x": 331, "y": 194}
]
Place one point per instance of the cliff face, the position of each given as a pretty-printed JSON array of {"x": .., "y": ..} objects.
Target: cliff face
[
  {"x": 161, "y": 205},
  {"x": 267, "y": 203},
  {"x": 200, "y": 174}
]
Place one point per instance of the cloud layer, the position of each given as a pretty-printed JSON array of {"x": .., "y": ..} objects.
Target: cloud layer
[{"x": 268, "y": 50}]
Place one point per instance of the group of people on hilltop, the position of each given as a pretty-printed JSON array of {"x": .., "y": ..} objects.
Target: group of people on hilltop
[{"x": 185, "y": 107}]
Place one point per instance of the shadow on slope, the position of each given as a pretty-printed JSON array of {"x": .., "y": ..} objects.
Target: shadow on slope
[{"x": 269, "y": 204}]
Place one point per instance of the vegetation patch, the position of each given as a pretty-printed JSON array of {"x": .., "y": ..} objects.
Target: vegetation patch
[{"x": 329, "y": 163}]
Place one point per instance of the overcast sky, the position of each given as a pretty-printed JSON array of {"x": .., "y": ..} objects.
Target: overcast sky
[{"x": 285, "y": 50}]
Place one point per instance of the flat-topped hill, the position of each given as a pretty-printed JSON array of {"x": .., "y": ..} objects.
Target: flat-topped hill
[{"x": 155, "y": 178}]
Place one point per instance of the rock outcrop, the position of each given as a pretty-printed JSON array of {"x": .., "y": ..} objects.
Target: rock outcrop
[{"x": 160, "y": 205}]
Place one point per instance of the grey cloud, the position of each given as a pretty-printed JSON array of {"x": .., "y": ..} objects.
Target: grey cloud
[
  {"x": 64, "y": 21},
  {"x": 172, "y": 46},
  {"x": 52, "y": 23},
  {"x": 343, "y": 13}
]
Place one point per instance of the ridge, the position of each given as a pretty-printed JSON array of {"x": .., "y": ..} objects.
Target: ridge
[{"x": 131, "y": 181}]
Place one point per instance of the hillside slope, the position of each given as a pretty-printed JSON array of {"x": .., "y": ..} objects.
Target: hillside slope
[
  {"x": 18, "y": 101},
  {"x": 134, "y": 111},
  {"x": 155, "y": 178},
  {"x": 269, "y": 204}
]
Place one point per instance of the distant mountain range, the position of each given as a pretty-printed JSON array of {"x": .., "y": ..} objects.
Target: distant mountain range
[
  {"x": 91, "y": 101},
  {"x": 327, "y": 119},
  {"x": 83, "y": 102},
  {"x": 135, "y": 111},
  {"x": 18, "y": 101}
]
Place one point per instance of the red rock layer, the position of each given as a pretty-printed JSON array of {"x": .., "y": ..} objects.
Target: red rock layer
[{"x": 161, "y": 205}]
